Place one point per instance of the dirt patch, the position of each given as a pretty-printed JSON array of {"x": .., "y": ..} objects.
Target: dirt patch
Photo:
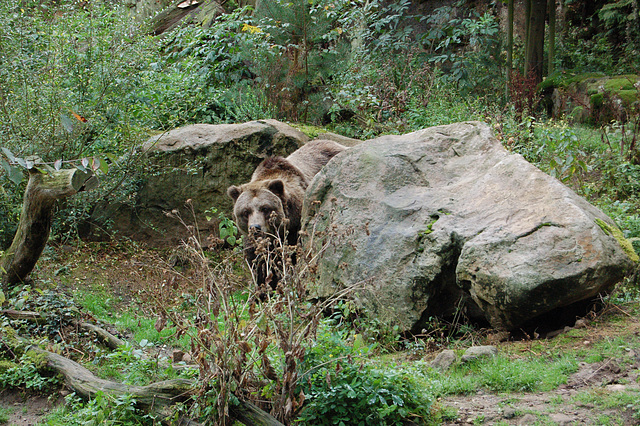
[
  {"x": 562, "y": 406},
  {"x": 26, "y": 410}
]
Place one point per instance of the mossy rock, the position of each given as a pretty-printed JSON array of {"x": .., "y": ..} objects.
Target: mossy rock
[
  {"x": 628, "y": 97},
  {"x": 621, "y": 83},
  {"x": 565, "y": 78},
  {"x": 608, "y": 98},
  {"x": 616, "y": 233},
  {"x": 597, "y": 100}
]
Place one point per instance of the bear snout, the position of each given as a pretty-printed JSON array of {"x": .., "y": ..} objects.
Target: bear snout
[{"x": 255, "y": 227}]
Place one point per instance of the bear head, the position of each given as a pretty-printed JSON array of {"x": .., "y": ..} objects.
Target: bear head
[{"x": 259, "y": 206}]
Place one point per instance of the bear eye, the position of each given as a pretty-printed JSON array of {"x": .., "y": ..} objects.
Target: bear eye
[
  {"x": 245, "y": 213},
  {"x": 266, "y": 211}
]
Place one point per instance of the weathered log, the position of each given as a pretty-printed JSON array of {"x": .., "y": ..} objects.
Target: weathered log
[
  {"x": 111, "y": 341},
  {"x": 185, "y": 11},
  {"x": 250, "y": 415},
  {"x": 154, "y": 396},
  {"x": 23, "y": 315},
  {"x": 43, "y": 189}
]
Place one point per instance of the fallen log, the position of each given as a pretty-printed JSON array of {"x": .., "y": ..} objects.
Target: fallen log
[
  {"x": 111, "y": 341},
  {"x": 84, "y": 383},
  {"x": 152, "y": 398}
]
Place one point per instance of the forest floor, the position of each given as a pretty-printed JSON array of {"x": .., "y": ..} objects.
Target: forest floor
[{"x": 602, "y": 392}]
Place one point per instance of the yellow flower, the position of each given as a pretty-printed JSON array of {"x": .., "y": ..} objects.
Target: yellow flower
[{"x": 251, "y": 29}]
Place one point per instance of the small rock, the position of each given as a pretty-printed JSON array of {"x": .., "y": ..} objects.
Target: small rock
[
  {"x": 509, "y": 413},
  {"x": 528, "y": 419},
  {"x": 554, "y": 333},
  {"x": 475, "y": 352},
  {"x": 616, "y": 387},
  {"x": 563, "y": 419},
  {"x": 581, "y": 323},
  {"x": 177, "y": 355},
  {"x": 187, "y": 358},
  {"x": 444, "y": 360}
]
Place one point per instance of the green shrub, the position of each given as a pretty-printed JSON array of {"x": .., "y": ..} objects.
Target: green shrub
[
  {"x": 346, "y": 393},
  {"x": 340, "y": 390},
  {"x": 104, "y": 410},
  {"x": 28, "y": 375}
]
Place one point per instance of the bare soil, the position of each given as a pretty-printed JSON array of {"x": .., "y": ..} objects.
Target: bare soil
[
  {"x": 27, "y": 410},
  {"x": 557, "y": 407},
  {"x": 127, "y": 273}
]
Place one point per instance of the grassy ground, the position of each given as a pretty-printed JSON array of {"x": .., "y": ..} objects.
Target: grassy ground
[{"x": 588, "y": 374}]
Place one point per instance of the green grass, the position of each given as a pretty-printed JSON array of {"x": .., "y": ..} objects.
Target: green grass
[
  {"x": 502, "y": 374},
  {"x": 4, "y": 415},
  {"x": 603, "y": 398}
]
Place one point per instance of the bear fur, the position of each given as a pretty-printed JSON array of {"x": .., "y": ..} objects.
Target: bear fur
[{"x": 278, "y": 186}]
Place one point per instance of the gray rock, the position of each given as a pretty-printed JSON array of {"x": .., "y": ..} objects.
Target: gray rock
[
  {"x": 423, "y": 221},
  {"x": 509, "y": 412},
  {"x": 444, "y": 360},
  {"x": 198, "y": 163},
  {"x": 476, "y": 352},
  {"x": 343, "y": 140},
  {"x": 528, "y": 420},
  {"x": 563, "y": 419}
]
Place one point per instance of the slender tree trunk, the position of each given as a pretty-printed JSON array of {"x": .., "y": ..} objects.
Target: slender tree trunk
[
  {"x": 535, "y": 40},
  {"x": 527, "y": 35},
  {"x": 552, "y": 36},
  {"x": 35, "y": 219},
  {"x": 509, "y": 45}
]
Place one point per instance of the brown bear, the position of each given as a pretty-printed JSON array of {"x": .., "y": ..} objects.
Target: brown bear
[
  {"x": 272, "y": 202},
  {"x": 277, "y": 186}
]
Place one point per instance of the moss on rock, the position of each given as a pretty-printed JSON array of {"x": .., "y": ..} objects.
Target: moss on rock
[{"x": 616, "y": 233}]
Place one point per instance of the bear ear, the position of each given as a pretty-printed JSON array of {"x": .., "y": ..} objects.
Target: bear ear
[
  {"x": 234, "y": 192},
  {"x": 277, "y": 187}
]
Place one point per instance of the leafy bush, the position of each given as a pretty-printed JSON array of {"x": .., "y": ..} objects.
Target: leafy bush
[
  {"x": 27, "y": 375},
  {"x": 104, "y": 410},
  {"x": 468, "y": 49},
  {"x": 351, "y": 394},
  {"x": 64, "y": 78},
  {"x": 204, "y": 75},
  {"x": 340, "y": 390}
]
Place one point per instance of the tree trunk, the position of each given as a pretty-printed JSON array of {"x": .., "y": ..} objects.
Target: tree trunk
[
  {"x": 181, "y": 11},
  {"x": 509, "y": 45},
  {"x": 527, "y": 26},
  {"x": 552, "y": 36},
  {"x": 535, "y": 40},
  {"x": 35, "y": 219}
]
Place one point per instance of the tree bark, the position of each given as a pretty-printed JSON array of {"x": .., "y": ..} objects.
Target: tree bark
[
  {"x": 535, "y": 40},
  {"x": 43, "y": 189},
  {"x": 509, "y": 45},
  {"x": 552, "y": 36},
  {"x": 527, "y": 26},
  {"x": 151, "y": 397}
]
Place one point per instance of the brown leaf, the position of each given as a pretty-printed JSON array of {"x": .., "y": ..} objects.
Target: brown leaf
[
  {"x": 268, "y": 369},
  {"x": 161, "y": 322},
  {"x": 244, "y": 346}
]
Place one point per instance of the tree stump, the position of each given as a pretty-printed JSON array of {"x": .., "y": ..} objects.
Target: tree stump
[{"x": 43, "y": 189}]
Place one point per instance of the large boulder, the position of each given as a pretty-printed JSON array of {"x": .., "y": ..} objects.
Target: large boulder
[
  {"x": 198, "y": 163},
  {"x": 445, "y": 218}
]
